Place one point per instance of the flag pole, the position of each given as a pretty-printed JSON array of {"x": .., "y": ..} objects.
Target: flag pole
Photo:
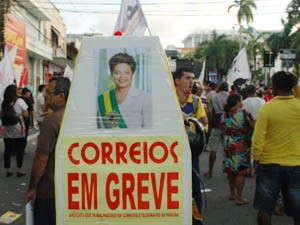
[{"x": 149, "y": 30}]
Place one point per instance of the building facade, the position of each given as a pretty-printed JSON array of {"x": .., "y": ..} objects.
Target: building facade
[{"x": 44, "y": 38}]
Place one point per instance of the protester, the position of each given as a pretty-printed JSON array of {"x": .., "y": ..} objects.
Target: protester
[
  {"x": 233, "y": 90},
  {"x": 252, "y": 104},
  {"x": 276, "y": 151},
  {"x": 26, "y": 95},
  {"x": 215, "y": 141},
  {"x": 131, "y": 108},
  {"x": 41, "y": 186},
  {"x": 41, "y": 109},
  {"x": 14, "y": 134},
  {"x": 268, "y": 94},
  {"x": 210, "y": 90},
  {"x": 184, "y": 81},
  {"x": 237, "y": 158},
  {"x": 198, "y": 89},
  {"x": 260, "y": 93}
]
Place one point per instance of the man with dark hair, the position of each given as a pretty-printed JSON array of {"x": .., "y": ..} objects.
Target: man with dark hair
[
  {"x": 191, "y": 106},
  {"x": 41, "y": 186},
  {"x": 26, "y": 96},
  {"x": 215, "y": 141},
  {"x": 41, "y": 108}
]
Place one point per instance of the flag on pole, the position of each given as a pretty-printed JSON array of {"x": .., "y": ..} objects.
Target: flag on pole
[
  {"x": 240, "y": 68},
  {"x": 202, "y": 74},
  {"x": 131, "y": 20},
  {"x": 68, "y": 72},
  {"x": 9, "y": 73}
]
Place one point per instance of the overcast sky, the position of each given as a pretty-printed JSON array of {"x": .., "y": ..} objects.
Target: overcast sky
[{"x": 171, "y": 20}]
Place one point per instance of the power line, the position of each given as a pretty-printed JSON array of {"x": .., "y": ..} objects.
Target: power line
[
  {"x": 156, "y": 12},
  {"x": 144, "y": 3}
]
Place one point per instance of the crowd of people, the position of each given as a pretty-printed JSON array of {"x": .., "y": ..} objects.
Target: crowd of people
[
  {"x": 253, "y": 138},
  {"x": 258, "y": 131},
  {"x": 17, "y": 110}
]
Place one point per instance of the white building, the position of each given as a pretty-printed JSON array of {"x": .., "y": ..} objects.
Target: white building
[{"x": 45, "y": 37}]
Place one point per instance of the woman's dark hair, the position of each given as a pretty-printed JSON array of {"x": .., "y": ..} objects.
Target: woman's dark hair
[
  {"x": 9, "y": 96},
  {"x": 41, "y": 87},
  {"x": 24, "y": 91},
  {"x": 122, "y": 58},
  {"x": 232, "y": 100},
  {"x": 284, "y": 81}
]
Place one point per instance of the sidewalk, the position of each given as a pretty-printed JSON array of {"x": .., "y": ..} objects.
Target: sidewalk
[{"x": 12, "y": 189}]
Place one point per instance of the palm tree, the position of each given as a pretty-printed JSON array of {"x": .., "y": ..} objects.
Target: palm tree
[
  {"x": 218, "y": 52},
  {"x": 244, "y": 13}
]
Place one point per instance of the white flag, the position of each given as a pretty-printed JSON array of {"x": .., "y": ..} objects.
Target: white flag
[
  {"x": 68, "y": 72},
  {"x": 18, "y": 73},
  {"x": 202, "y": 74},
  {"x": 240, "y": 68},
  {"x": 131, "y": 20},
  {"x": 7, "y": 75}
]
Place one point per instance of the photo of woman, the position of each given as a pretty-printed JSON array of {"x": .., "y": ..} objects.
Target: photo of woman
[{"x": 124, "y": 106}]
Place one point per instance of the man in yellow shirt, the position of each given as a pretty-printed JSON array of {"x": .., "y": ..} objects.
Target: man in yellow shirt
[{"x": 276, "y": 151}]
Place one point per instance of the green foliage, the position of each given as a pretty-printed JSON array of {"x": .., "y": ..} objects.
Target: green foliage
[
  {"x": 189, "y": 55},
  {"x": 289, "y": 37},
  {"x": 258, "y": 77},
  {"x": 280, "y": 40},
  {"x": 219, "y": 53},
  {"x": 244, "y": 10}
]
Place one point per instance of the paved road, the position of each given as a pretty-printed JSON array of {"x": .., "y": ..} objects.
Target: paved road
[
  {"x": 12, "y": 189},
  {"x": 220, "y": 211}
]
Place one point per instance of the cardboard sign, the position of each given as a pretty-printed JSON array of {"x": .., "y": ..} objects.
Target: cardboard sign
[{"x": 122, "y": 156}]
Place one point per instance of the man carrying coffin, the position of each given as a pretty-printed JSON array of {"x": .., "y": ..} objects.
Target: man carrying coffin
[{"x": 191, "y": 106}]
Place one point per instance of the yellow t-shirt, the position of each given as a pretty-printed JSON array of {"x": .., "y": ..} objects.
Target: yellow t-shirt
[{"x": 276, "y": 138}]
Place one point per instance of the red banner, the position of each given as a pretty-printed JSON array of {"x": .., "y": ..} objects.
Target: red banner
[{"x": 15, "y": 34}]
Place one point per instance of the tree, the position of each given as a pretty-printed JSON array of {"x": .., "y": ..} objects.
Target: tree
[
  {"x": 294, "y": 24},
  {"x": 244, "y": 13},
  {"x": 218, "y": 52},
  {"x": 289, "y": 37}
]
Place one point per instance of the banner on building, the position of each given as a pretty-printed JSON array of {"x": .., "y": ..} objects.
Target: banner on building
[
  {"x": 131, "y": 20},
  {"x": 15, "y": 35},
  {"x": 122, "y": 155}
]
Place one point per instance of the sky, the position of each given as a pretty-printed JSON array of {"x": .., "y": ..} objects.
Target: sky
[{"x": 171, "y": 20}]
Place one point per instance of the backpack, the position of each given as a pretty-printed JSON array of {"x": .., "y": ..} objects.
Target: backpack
[
  {"x": 9, "y": 116},
  {"x": 196, "y": 138}
]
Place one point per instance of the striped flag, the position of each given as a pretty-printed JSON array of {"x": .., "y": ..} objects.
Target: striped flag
[{"x": 131, "y": 20}]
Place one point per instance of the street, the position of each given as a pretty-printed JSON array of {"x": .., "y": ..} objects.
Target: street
[{"x": 220, "y": 210}]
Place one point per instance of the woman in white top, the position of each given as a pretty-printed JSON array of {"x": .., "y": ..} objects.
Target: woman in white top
[
  {"x": 14, "y": 134},
  {"x": 124, "y": 106}
]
